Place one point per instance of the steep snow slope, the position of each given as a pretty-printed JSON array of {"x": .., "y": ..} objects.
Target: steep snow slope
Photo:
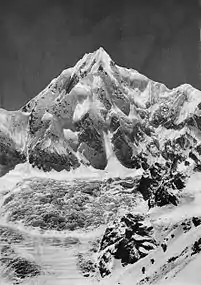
[{"x": 178, "y": 231}]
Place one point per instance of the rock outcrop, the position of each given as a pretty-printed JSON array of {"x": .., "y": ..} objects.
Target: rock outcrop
[
  {"x": 13, "y": 137},
  {"x": 128, "y": 239},
  {"x": 160, "y": 185}
]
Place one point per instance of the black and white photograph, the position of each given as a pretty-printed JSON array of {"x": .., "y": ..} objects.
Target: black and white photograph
[{"x": 100, "y": 142}]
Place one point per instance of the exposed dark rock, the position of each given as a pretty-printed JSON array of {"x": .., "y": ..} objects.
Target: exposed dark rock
[
  {"x": 128, "y": 239},
  {"x": 17, "y": 268},
  {"x": 152, "y": 261},
  {"x": 102, "y": 95},
  {"x": 86, "y": 265},
  {"x": 178, "y": 181},
  {"x": 196, "y": 248},
  {"x": 187, "y": 225},
  {"x": 197, "y": 168},
  {"x": 73, "y": 81},
  {"x": 123, "y": 149},
  {"x": 172, "y": 259},
  {"x": 158, "y": 183},
  {"x": 127, "y": 184},
  {"x": 144, "y": 186},
  {"x": 114, "y": 123},
  {"x": 193, "y": 157},
  {"x": 164, "y": 197},
  {"x": 46, "y": 160},
  {"x": 10, "y": 156},
  {"x": 121, "y": 100},
  {"x": 23, "y": 268},
  {"x": 91, "y": 143},
  {"x": 198, "y": 148},
  {"x": 164, "y": 246},
  {"x": 196, "y": 221}
]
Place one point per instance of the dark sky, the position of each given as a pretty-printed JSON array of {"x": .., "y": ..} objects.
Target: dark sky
[{"x": 39, "y": 38}]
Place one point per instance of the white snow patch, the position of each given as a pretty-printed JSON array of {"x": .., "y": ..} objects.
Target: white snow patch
[{"x": 81, "y": 109}]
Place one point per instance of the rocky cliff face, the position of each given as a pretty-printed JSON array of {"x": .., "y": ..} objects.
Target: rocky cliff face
[{"x": 128, "y": 239}]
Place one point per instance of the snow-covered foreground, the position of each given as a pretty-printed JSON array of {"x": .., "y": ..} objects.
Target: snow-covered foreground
[
  {"x": 175, "y": 266},
  {"x": 183, "y": 268}
]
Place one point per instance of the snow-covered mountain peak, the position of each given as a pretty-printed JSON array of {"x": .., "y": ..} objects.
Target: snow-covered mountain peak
[
  {"x": 92, "y": 63},
  {"x": 146, "y": 120},
  {"x": 96, "y": 59},
  {"x": 101, "y": 56}
]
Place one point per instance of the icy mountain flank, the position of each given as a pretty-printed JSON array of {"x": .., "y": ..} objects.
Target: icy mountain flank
[
  {"x": 97, "y": 102},
  {"x": 141, "y": 228}
]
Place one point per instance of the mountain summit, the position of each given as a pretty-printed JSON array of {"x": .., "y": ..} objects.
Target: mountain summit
[{"x": 98, "y": 106}]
